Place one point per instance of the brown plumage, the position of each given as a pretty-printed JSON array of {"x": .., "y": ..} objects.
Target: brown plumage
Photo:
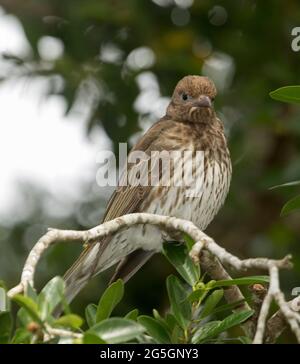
[{"x": 190, "y": 124}]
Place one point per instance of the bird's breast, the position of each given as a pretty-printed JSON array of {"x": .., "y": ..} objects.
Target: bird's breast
[{"x": 195, "y": 194}]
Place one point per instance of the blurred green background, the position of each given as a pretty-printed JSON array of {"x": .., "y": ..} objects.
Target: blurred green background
[{"x": 121, "y": 60}]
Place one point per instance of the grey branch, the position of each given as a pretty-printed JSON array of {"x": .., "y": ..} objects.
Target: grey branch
[{"x": 203, "y": 243}]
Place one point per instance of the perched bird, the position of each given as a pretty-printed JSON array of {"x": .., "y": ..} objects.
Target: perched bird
[{"x": 190, "y": 124}]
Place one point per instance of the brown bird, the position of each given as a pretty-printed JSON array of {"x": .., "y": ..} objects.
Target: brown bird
[{"x": 190, "y": 124}]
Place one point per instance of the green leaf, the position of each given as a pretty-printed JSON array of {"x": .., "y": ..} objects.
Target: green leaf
[
  {"x": 110, "y": 298},
  {"x": 181, "y": 308},
  {"x": 205, "y": 331},
  {"x": 22, "y": 336},
  {"x": 244, "y": 339},
  {"x": 3, "y": 285},
  {"x": 291, "y": 205},
  {"x": 177, "y": 335},
  {"x": 5, "y": 326},
  {"x": 30, "y": 292},
  {"x": 289, "y": 94},
  {"x": 90, "y": 338},
  {"x": 117, "y": 330},
  {"x": 198, "y": 295},
  {"x": 214, "y": 328},
  {"x": 234, "y": 319},
  {"x": 162, "y": 321},
  {"x": 29, "y": 306},
  {"x": 188, "y": 241},
  {"x": 132, "y": 315},
  {"x": 287, "y": 184},
  {"x": 71, "y": 320},
  {"x": 24, "y": 317},
  {"x": 171, "y": 321},
  {"x": 211, "y": 302},
  {"x": 178, "y": 256},
  {"x": 155, "y": 329},
  {"x": 227, "y": 307},
  {"x": 242, "y": 281},
  {"x": 90, "y": 314},
  {"x": 50, "y": 296}
]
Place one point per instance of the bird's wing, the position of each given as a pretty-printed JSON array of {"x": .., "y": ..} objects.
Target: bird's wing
[{"x": 125, "y": 199}]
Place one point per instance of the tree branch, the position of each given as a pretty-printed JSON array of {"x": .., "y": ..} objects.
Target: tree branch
[{"x": 202, "y": 244}]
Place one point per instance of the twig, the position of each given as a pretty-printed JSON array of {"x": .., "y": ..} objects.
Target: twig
[
  {"x": 52, "y": 332},
  {"x": 277, "y": 322},
  {"x": 274, "y": 293}
]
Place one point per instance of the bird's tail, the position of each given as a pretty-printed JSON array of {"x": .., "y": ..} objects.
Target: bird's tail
[{"x": 91, "y": 262}]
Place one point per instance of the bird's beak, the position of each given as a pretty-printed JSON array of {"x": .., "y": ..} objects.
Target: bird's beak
[{"x": 203, "y": 101}]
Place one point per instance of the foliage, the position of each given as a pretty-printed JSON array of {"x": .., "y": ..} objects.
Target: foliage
[
  {"x": 197, "y": 313},
  {"x": 289, "y": 94}
]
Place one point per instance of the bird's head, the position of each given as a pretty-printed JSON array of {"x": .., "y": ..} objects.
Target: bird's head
[{"x": 192, "y": 100}]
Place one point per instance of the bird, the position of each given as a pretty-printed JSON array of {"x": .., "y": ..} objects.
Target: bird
[{"x": 190, "y": 124}]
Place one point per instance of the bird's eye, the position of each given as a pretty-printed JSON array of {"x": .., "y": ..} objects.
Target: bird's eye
[{"x": 184, "y": 96}]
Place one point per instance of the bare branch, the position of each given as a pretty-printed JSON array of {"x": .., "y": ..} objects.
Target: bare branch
[
  {"x": 202, "y": 243},
  {"x": 277, "y": 322},
  {"x": 274, "y": 293}
]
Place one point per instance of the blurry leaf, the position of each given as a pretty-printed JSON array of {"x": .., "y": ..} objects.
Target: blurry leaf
[
  {"x": 5, "y": 326},
  {"x": 227, "y": 307},
  {"x": 90, "y": 338},
  {"x": 242, "y": 281},
  {"x": 50, "y": 296},
  {"x": 234, "y": 319},
  {"x": 117, "y": 330},
  {"x": 90, "y": 314},
  {"x": 205, "y": 331},
  {"x": 198, "y": 295},
  {"x": 291, "y": 205},
  {"x": 22, "y": 336},
  {"x": 171, "y": 321},
  {"x": 43, "y": 306},
  {"x": 214, "y": 328},
  {"x": 29, "y": 305},
  {"x": 244, "y": 339},
  {"x": 179, "y": 257},
  {"x": 156, "y": 314},
  {"x": 288, "y": 184},
  {"x": 211, "y": 302},
  {"x": 188, "y": 241},
  {"x": 181, "y": 308},
  {"x": 162, "y": 321},
  {"x": 3, "y": 285},
  {"x": 155, "y": 329},
  {"x": 177, "y": 335},
  {"x": 110, "y": 298},
  {"x": 13, "y": 58},
  {"x": 71, "y": 320},
  {"x": 24, "y": 317},
  {"x": 132, "y": 315},
  {"x": 30, "y": 292},
  {"x": 287, "y": 94}
]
